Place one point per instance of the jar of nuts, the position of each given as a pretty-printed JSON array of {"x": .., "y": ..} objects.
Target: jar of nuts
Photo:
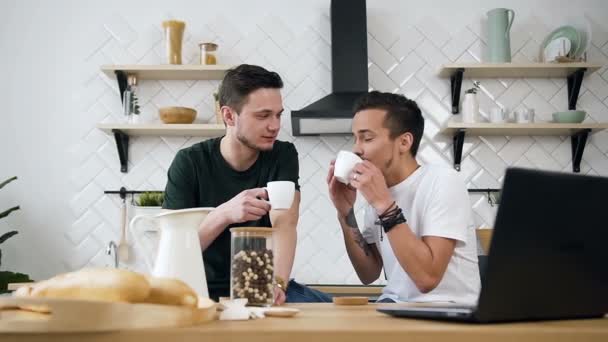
[
  {"x": 208, "y": 51},
  {"x": 252, "y": 265}
]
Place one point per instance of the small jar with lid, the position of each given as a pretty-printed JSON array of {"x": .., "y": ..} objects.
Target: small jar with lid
[
  {"x": 252, "y": 265},
  {"x": 208, "y": 53}
]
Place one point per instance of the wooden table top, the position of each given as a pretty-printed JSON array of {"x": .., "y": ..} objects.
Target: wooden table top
[{"x": 328, "y": 322}]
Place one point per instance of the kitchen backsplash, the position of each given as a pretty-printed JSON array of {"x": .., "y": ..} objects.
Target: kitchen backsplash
[{"x": 403, "y": 58}]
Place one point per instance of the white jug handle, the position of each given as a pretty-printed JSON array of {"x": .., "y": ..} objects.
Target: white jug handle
[
  {"x": 512, "y": 17},
  {"x": 132, "y": 226}
]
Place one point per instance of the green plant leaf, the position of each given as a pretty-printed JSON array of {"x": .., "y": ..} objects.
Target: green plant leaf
[
  {"x": 7, "y": 181},
  {"x": 7, "y": 236},
  {"x": 150, "y": 199},
  {"x": 8, "y": 211}
]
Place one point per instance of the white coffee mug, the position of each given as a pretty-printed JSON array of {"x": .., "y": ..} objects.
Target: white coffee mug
[
  {"x": 531, "y": 114},
  {"x": 524, "y": 115},
  {"x": 498, "y": 115},
  {"x": 280, "y": 194},
  {"x": 345, "y": 162}
]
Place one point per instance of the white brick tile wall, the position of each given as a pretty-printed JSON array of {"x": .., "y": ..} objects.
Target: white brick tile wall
[
  {"x": 541, "y": 159},
  {"x": 378, "y": 80},
  {"x": 406, "y": 69},
  {"x": 543, "y": 109},
  {"x": 412, "y": 88},
  {"x": 596, "y": 159},
  {"x": 490, "y": 161},
  {"x": 594, "y": 107},
  {"x": 513, "y": 96},
  {"x": 428, "y": 76},
  {"x": 407, "y": 42},
  {"x": 404, "y": 60},
  {"x": 385, "y": 34},
  {"x": 597, "y": 85},
  {"x": 433, "y": 30},
  {"x": 379, "y": 55},
  {"x": 459, "y": 43}
]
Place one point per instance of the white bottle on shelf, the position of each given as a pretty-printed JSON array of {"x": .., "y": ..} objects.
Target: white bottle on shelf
[
  {"x": 130, "y": 103},
  {"x": 470, "y": 108}
]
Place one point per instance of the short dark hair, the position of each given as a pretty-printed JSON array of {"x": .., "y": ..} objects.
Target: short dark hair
[
  {"x": 402, "y": 114},
  {"x": 242, "y": 81}
]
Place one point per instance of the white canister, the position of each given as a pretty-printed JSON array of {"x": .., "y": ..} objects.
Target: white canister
[
  {"x": 470, "y": 108},
  {"x": 498, "y": 115},
  {"x": 524, "y": 115}
]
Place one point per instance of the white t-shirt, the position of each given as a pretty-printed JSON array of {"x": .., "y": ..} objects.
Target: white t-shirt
[{"x": 435, "y": 202}]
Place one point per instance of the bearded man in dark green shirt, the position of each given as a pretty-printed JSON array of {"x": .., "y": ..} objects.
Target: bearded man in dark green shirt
[{"x": 230, "y": 173}]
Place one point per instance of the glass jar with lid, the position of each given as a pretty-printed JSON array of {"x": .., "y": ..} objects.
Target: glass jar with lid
[
  {"x": 252, "y": 265},
  {"x": 208, "y": 53}
]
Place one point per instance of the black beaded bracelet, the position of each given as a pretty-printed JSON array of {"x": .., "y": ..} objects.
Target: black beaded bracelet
[
  {"x": 391, "y": 218},
  {"x": 389, "y": 224}
]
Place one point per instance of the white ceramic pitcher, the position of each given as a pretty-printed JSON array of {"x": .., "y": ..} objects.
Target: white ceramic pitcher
[{"x": 179, "y": 250}]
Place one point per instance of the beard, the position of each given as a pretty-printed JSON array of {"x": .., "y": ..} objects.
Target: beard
[{"x": 245, "y": 141}]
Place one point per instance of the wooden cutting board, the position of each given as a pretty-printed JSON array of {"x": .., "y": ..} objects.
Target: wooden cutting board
[{"x": 62, "y": 315}]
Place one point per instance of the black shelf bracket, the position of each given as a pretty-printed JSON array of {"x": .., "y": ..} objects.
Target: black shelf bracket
[
  {"x": 121, "y": 78},
  {"x": 458, "y": 142},
  {"x": 578, "y": 141},
  {"x": 122, "y": 145},
  {"x": 575, "y": 80},
  {"x": 455, "y": 87}
]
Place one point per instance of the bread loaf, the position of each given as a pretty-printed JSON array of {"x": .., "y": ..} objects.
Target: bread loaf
[
  {"x": 103, "y": 284},
  {"x": 171, "y": 292},
  {"x": 113, "y": 285}
]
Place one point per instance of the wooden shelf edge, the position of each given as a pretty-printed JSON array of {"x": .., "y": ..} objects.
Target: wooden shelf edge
[
  {"x": 507, "y": 70},
  {"x": 513, "y": 125},
  {"x": 482, "y": 65},
  {"x": 522, "y": 129},
  {"x": 206, "y": 130},
  {"x": 169, "y": 72}
]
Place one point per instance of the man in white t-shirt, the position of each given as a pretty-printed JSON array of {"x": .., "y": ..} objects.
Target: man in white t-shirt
[{"x": 417, "y": 225}]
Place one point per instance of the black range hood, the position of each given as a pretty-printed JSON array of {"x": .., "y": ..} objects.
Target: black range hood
[{"x": 333, "y": 114}]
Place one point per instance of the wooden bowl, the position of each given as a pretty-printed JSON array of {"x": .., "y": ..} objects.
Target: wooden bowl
[{"x": 177, "y": 115}]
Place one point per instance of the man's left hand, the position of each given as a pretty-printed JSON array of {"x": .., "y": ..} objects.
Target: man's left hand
[
  {"x": 369, "y": 180},
  {"x": 279, "y": 296}
]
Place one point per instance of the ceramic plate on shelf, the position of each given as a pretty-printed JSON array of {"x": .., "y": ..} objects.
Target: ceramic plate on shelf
[
  {"x": 584, "y": 28},
  {"x": 558, "y": 47},
  {"x": 567, "y": 32},
  {"x": 583, "y": 24}
]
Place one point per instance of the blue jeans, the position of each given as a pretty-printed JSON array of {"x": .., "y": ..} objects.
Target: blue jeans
[{"x": 298, "y": 293}]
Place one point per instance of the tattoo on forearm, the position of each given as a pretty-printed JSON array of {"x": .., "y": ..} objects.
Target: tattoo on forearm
[{"x": 351, "y": 221}]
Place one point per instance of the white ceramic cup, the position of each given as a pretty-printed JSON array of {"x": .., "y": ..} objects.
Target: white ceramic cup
[
  {"x": 280, "y": 194},
  {"x": 531, "y": 114},
  {"x": 524, "y": 115},
  {"x": 498, "y": 115},
  {"x": 345, "y": 162}
]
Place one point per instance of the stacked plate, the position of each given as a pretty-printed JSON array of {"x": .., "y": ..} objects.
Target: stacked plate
[{"x": 566, "y": 42}]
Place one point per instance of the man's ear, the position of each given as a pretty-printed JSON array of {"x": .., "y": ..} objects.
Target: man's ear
[
  {"x": 229, "y": 115},
  {"x": 405, "y": 142}
]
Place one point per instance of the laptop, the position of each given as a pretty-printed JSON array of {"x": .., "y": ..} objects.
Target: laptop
[{"x": 548, "y": 256}]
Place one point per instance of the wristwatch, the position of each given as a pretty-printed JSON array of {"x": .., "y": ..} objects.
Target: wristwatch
[{"x": 280, "y": 283}]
